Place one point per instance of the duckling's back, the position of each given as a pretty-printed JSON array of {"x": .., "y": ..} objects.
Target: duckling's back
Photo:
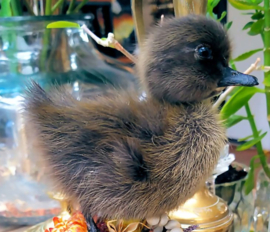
[{"x": 120, "y": 157}]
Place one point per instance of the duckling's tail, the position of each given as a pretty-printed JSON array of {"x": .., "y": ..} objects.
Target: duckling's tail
[
  {"x": 35, "y": 98},
  {"x": 52, "y": 128},
  {"x": 46, "y": 113}
]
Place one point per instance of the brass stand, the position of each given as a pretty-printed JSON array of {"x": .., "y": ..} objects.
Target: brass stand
[{"x": 207, "y": 211}]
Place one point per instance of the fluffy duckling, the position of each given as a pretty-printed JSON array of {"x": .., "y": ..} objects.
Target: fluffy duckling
[{"x": 120, "y": 157}]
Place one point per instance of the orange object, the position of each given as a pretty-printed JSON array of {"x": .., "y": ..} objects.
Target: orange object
[{"x": 76, "y": 223}]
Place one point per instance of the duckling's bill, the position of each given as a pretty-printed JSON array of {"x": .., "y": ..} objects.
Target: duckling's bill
[{"x": 234, "y": 78}]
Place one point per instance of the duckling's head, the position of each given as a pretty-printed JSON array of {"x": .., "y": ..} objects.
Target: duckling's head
[{"x": 186, "y": 59}]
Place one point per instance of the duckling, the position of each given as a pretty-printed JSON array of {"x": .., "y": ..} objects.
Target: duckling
[{"x": 120, "y": 157}]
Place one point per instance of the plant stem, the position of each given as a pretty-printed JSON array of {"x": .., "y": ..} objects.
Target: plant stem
[
  {"x": 266, "y": 36},
  {"x": 56, "y": 5},
  {"x": 109, "y": 42},
  {"x": 71, "y": 6},
  {"x": 80, "y": 6},
  {"x": 259, "y": 144},
  {"x": 16, "y": 7},
  {"x": 48, "y": 7}
]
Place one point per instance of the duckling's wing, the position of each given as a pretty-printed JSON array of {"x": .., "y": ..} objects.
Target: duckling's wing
[{"x": 95, "y": 149}]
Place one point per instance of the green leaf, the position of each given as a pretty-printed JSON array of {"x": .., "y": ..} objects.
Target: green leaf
[
  {"x": 250, "y": 143},
  {"x": 211, "y": 15},
  {"x": 248, "y": 25},
  {"x": 245, "y": 139},
  {"x": 235, "y": 90},
  {"x": 266, "y": 81},
  {"x": 250, "y": 181},
  {"x": 240, "y": 5},
  {"x": 256, "y": 27},
  {"x": 228, "y": 25},
  {"x": 63, "y": 24},
  {"x": 248, "y": 137},
  {"x": 224, "y": 13},
  {"x": 255, "y": 1},
  {"x": 257, "y": 16},
  {"x": 214, "y": 3},
  {"x": 238, "y": 100},
  {"x": 234, "y": 119},
  {"x": 248, "y": 54}
]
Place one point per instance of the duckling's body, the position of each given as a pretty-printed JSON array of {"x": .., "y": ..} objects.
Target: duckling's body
[
  {"x": 120, "y": 157},
  {"x": 123, "y": 158}
]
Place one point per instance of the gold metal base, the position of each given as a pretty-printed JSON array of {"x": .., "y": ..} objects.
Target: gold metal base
[{"x": 206, "y": 210}]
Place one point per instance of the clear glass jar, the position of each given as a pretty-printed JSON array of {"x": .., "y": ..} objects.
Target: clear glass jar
[
  {"x": 64, "y": 56},
  {"x": 240, "y": 204},
  {"x": 232, "y": 193},
  {"x": 261, "y": 216}
]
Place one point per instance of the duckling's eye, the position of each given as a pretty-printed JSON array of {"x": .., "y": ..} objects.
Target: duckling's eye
[{"x": 203, "y": 52}]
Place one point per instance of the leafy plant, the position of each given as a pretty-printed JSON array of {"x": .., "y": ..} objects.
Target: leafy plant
[
  {"x": 211, "y": 4},
  {"x": 259, "y": 25}
]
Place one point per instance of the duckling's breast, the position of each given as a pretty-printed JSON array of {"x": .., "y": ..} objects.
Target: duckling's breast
[{"x": 185, "y": 156}]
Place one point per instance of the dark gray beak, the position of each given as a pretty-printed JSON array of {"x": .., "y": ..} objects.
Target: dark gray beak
[{"x": 235, "y": 78}]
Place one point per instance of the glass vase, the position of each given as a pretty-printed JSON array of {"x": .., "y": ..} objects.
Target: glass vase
[
  {"x": 240, "y": 204},
  {"x": 262, "y": 204}
]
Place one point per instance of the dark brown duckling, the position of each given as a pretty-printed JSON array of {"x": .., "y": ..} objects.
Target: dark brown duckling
[{"x": 120, "y": 157}]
